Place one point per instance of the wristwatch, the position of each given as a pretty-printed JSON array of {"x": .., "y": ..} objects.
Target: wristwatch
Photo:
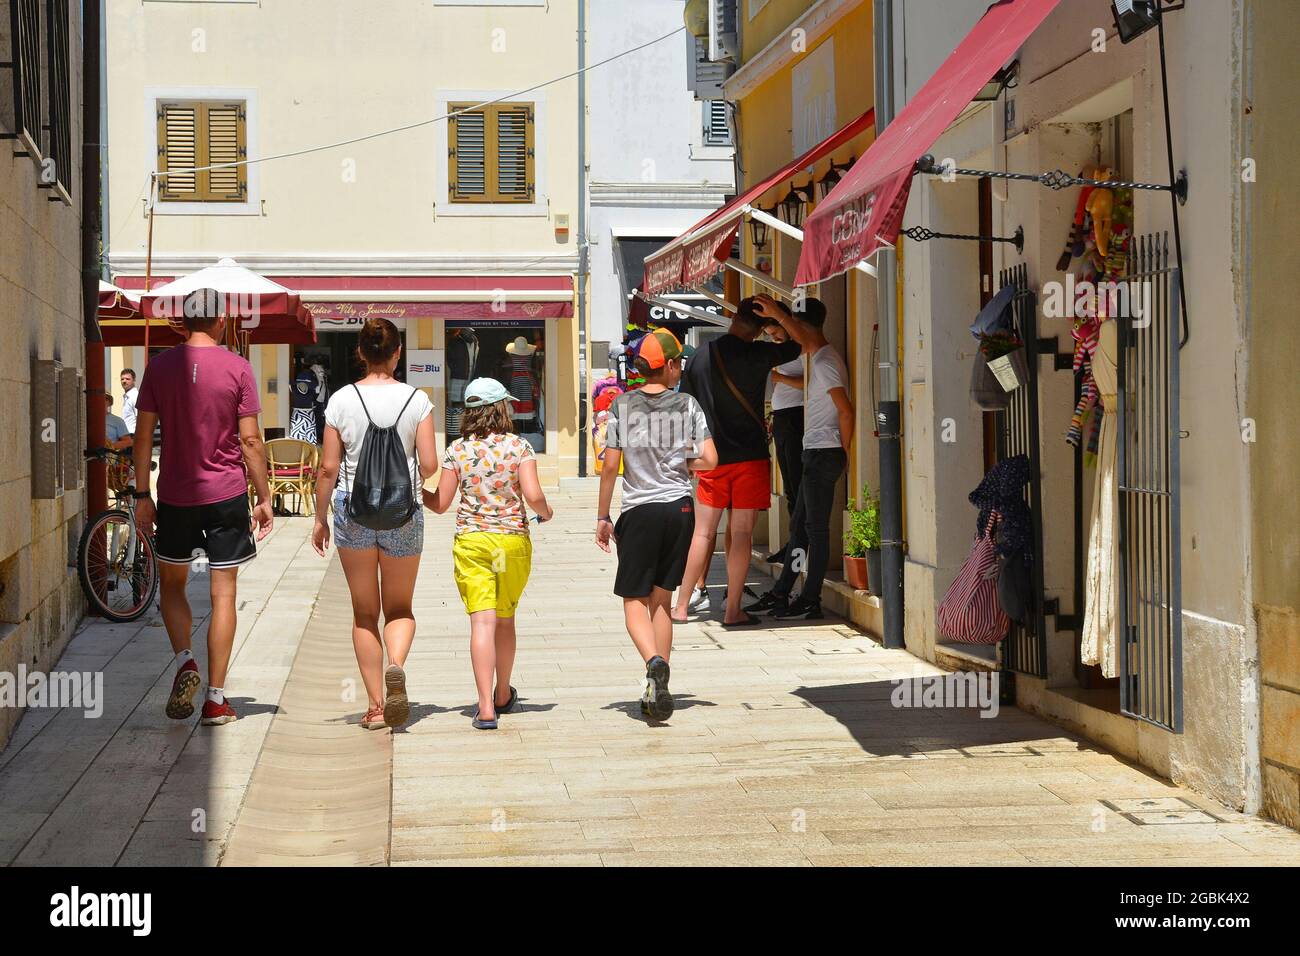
[{"x": 141, "y": 495}]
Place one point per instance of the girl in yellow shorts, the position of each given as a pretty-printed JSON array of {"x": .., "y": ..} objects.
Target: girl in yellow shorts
[{"x": 496, "y": 473}]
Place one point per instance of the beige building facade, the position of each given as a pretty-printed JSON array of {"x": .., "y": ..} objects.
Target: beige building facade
[{"x": 463, "y": 232}]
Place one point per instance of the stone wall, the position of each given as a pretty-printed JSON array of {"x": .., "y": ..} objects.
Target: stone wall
[{"x": 40, "y": 318}]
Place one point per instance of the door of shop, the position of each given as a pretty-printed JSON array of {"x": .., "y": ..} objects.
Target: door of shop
[
  {"x": 1150, "y": 611},
  {"x": 1016, "y": 433}
]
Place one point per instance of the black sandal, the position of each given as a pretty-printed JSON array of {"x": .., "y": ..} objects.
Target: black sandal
[
  {"x": 509, "y": 705},
  {"x": 749, "y": 621}
]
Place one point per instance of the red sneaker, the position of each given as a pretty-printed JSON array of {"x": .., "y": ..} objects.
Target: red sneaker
[
  {"x": 216, "y": 714},
  {"x": 180, "y": 704}
]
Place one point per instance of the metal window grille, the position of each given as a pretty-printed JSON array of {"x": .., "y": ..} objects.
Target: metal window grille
[
  {"x": 1147, "y": 474},
  {"x": 1025, "y": 647},
  {"x": 59, "y": 142},
  {"x": 25, "y": 62}
]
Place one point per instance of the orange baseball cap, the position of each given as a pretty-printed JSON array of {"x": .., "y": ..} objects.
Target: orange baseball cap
[{"x": 656, "y": 349}]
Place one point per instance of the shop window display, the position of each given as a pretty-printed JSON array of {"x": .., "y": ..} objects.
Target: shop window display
[{"x": 513, "y": 353}]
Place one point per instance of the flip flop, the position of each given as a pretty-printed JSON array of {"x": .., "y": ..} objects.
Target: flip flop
[
  {"x": 749, "y": 621},
  {"x": 509, "y": 705},
  {"x": 480, "y": 724}
]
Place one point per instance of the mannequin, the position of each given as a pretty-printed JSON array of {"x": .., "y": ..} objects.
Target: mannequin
[{"x": 462, "y": 357}]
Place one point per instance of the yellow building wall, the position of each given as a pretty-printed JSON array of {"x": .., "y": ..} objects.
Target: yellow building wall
[{"x": 766, "y": 140}]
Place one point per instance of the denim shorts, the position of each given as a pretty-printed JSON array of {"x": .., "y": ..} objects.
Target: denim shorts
[{"x": 404, "y": 542}]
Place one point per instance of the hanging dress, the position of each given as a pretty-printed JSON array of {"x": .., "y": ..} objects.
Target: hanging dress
[
  {"x": 521, "y": 388},
  {"x": 1098, "y": 644}
]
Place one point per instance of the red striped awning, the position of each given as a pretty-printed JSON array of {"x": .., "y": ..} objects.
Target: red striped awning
[{"x": 698, "y": 253}]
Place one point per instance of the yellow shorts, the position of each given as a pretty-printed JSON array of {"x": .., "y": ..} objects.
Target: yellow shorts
[{"x": 491, "y": 570}]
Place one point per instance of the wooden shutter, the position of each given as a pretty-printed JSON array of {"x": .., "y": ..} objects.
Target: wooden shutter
[
  {"x": 226, "y": 141},
  {"x": 193, "y": 134},
  {"x": 492, "y": 154},
  {"x": 514, "y": 153},
  {"x": 468, "y": 162},
  {"x": 178, "y": 148}
]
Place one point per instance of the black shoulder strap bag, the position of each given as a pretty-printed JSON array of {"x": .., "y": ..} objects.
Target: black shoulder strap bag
[{"x": 715, "y": 355}]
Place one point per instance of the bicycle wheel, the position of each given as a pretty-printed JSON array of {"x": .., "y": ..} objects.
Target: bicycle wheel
[{"x": 120, "y": 580}]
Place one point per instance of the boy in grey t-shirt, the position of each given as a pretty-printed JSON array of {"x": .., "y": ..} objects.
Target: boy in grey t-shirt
[{"x": 659, "y": 436}]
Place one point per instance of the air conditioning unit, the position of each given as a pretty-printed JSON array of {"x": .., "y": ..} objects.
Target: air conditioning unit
[{"x": 724, "y": 39}]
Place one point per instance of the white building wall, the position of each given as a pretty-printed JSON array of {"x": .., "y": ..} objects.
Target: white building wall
[{"x": 650, "y": 173}]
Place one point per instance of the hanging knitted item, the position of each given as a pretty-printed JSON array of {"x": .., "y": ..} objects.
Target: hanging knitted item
[
  {"x": 1002, "y": 489},
  {"x": 1086, "y": 335},
  {"x": 1074, "y": 244}
]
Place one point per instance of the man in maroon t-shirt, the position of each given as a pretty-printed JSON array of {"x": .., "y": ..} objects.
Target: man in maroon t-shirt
[{"x": 207, "y": 400}]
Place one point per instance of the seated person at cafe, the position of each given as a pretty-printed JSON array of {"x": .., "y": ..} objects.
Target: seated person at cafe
[{"x": 115, "y": 431}]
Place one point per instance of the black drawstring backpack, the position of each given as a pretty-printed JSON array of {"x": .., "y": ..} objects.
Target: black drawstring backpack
[{"x": 382, "y": 497}]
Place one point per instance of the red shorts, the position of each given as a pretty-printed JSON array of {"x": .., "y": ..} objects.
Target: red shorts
[{"x": 742, "y": 484}]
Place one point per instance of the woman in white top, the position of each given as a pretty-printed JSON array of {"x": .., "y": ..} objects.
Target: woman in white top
[{"x": 380, "y": 566}]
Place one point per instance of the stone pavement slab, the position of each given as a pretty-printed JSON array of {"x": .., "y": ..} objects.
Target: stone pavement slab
[{"x": 785, "y": 748}]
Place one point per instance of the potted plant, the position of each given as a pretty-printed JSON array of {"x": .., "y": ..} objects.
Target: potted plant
[
  {"x": 862, "y": 542},
  {"x": 1005, "y": 354}
]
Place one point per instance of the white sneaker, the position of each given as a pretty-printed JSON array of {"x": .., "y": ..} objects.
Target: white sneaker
[{"x": 699, "y": 598}]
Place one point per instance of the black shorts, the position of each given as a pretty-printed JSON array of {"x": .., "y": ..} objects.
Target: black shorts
[
  {"x": 221, "y": 530},
  {"x": 653, "y": 540}
]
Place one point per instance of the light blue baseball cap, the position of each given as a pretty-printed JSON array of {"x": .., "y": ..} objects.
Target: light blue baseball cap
[{"x": 484, "y": 391}]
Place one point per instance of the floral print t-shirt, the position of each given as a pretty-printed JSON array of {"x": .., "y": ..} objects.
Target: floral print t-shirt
[{"x": 488, "y": 472}]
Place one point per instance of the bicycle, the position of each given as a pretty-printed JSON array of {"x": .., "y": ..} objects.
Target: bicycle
[{"x": 115, "y": 561}]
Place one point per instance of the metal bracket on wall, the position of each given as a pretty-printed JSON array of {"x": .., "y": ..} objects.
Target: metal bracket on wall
[
  {"x": 922, "y": 234},
  {"x": 1061, "y": 361},
  {"x": 1056, "y": 179}
]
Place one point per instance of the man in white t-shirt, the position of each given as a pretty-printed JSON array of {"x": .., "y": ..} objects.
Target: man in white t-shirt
[
  {"x": 787, "y": 426},
  {"x": 828, "y": 434},
  {"x": 129, "y": 395}
]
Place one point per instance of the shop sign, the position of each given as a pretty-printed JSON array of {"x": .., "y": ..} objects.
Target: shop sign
[
  {"x": 496, "y": 324},
  {"x": 424, "y": 367},
  {"x": 350, "y": 316},
  {"x": 812, "y": 98},
  {"x": 660, "y": 313}
]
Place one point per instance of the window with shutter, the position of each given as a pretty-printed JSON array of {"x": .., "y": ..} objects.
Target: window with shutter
[
  {"x": 193, "y": 134},
  {"x": 491, "y": 153},
  {"x": 717, "y": 128}
]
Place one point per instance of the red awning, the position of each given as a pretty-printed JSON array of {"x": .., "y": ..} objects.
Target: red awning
[
  {"x": 864, "y": 211},
  {"x": 697, "y": 254},
  {"x": 344, "y": 302}
]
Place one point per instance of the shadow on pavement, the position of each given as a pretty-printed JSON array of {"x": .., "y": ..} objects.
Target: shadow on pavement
[{"x": 885, "y": 722}]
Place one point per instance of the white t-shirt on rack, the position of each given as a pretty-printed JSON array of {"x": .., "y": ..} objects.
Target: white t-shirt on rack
[{"x": 344, "y": 412}]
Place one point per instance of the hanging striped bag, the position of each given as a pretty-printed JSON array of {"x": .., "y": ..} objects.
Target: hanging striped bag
[{"x": 970, "y": 613}]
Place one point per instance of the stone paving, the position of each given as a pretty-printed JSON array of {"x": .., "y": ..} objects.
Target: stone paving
[{"x": 785, "y": 748}]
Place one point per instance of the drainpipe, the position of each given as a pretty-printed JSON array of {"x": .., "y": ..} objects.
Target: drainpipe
[
  {"x": 582, "y": 239},
  {"x": 889, "y": 416},
  {"x": 104, "y": 216},
  {"x": 91, "y": 229}
]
